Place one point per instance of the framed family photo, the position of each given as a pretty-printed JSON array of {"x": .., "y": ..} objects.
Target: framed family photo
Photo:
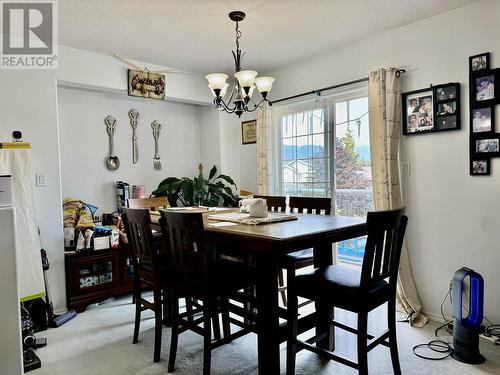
[
  {"x": 418, "y": 111},
  {"x": 479, "y": 62},
  {"x": 483, "y": 120},
  {"x": 488, "y": 146},
  {"x": 249, "y": 132},
  {"x": 480, "y": 167},
  {"x": 432, "y": 110}
]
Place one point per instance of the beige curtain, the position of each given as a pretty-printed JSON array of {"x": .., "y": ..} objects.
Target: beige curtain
[
  {"x": 263, "y": 152},
  {"x": 385, "y": 130}
]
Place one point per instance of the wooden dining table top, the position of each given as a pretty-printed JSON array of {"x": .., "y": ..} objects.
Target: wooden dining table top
[{"x": 305, "y": 225}]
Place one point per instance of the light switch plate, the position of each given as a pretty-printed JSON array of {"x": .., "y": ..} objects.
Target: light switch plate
[{"x": 40, "y": 180}]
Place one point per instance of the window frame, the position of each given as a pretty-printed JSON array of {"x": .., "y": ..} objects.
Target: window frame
[{"x": 327, "y": 101}]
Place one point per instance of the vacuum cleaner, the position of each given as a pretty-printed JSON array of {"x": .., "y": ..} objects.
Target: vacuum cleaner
[
  {"x": 466, "y": 330},
  {"x": 54, "y": 320}
]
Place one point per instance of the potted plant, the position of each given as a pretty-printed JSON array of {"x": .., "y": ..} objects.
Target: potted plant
[{"x": 199, "y": 191}]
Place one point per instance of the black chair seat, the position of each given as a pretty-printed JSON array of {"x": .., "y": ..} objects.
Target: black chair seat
[
  {"x": 299, "y": 256},
  {"x": 338, "y": 283}
]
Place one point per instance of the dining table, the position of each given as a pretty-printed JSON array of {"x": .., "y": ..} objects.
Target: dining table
[{"x": 267, "y": 244}]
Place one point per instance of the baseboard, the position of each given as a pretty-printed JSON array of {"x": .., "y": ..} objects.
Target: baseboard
[{"x": 438, "y": 318}]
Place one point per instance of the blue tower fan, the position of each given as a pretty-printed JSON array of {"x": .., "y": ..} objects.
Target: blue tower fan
[{"x": 466, "y": 330}]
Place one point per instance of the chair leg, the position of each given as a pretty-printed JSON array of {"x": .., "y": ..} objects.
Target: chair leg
[
  {"x": 167, "y": 307},
  {"x": 137, "y": 301},
  {"x": 189, "y": 309},
  {"x": 362, "y": 343},
  {"x": 216, "y": 325},
  {"x": 226, "y": 326},
  {"x": 207, "y": 337},
  {"x": 391, "y": 324},
  {"x": 175, "y": 334},
  {"x": 292, "y": 318},
  {"x": 158, "y": 323},
  {"x": 281, "y": 283}
]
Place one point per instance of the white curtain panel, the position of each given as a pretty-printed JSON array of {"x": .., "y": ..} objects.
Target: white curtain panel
[
  {"x": 264, "y": 151},
  {"x": 385, "y": 130},
  {"x": 16, "y": 162}
]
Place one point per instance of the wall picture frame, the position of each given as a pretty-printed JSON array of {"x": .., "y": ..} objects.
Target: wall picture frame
[
  {"x": 479, "y": 62},
  {"x": 431, "y": 110},
  {"x": 249, "y": 132},
  {"x": 145, "y": 84},
  {"x": 480, "y": 167}
]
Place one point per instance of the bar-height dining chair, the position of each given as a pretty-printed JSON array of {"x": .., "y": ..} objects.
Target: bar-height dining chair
[
  {"x": 197, "y": 273},
  {"x": 274, "y": 203},
  {"x": 302, "y": 258},
  {"x": 358, "y": 292},
  {"x": 149, "y": 269}
]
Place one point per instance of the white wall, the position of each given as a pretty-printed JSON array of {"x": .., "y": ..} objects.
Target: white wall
[
  {"x": 454, "y": 218},
  {"x": 28, "y": 102},
  {"x": 84, "y": 143},
  {"x": 238, "y": 160}
]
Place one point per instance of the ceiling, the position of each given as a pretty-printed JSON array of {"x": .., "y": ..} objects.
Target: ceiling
[{"x": 197, "y": 35}]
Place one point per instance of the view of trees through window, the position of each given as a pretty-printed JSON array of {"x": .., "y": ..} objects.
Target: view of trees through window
[{"x": 309, "y": 168}]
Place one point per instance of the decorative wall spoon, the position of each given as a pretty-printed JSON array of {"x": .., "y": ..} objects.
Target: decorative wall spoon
[{"x": 112, "y": 161}]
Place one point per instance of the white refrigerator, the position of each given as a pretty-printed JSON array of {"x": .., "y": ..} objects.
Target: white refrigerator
[{"x": 10, "y": 320}]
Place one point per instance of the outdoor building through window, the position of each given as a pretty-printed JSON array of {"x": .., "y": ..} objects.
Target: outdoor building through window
[{"x": 325, "y": 152}]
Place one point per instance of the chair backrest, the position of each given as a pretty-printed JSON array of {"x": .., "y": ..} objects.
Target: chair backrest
[
  {"x": 274, "y": 203},
  {"x": 137, "y": 223},
  {"x": 386, "y": 231},
  {"x": 318, "y": 205},
  {"x": 150, "y": 203},
  {"x": 187, "y": 252}
]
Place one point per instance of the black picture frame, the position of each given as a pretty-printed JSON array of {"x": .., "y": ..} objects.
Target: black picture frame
[
  {"x": 482, "y": 169},
  {"x": 422, "y": 97},
  {"x": 479, "y": 141},
  {"x": 474, "y": 127},
  {"x": 442, "y": 96},
  {"x": 473, "y": 60},
  {"x": 476, "y": 79}
]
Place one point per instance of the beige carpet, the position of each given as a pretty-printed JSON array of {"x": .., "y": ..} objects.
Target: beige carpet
[{"x": 99, "y": 342}]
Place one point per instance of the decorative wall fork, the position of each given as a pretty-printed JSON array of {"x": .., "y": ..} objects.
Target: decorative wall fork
[
  {"x": 134, "y": 118},
  {"x": 156, "y": 126}
]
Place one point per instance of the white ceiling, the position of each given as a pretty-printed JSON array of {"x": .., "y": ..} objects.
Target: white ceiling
[{"x": 197, "y": 35}]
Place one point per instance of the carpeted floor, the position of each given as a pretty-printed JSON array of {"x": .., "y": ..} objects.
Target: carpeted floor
[{"x": 99, "y": 342}]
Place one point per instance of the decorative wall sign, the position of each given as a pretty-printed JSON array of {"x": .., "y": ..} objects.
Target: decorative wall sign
[
  {"x": 249, "y": 132},
  {"x": 484, "y": 95},
  {"x": 432, "y": 110},
  {"x": 146, "y": 84}
]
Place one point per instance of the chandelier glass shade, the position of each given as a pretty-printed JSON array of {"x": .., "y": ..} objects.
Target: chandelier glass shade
[{"x": 238, "y": 99}]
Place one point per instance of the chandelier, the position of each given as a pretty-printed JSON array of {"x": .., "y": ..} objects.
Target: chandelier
[{"x": 240, "y": 96}]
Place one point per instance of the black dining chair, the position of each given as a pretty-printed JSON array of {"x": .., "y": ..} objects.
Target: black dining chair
[
  {"x": 302, "y": 258},
  {"x": 149, "y": 270},
  {"x": 358, "y": 292},
  {"x": 274, "y": 203},
  {"x": 197, "y": 272}
]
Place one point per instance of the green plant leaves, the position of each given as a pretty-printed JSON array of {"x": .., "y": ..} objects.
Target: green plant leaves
[{"x": 198, "y": 191}]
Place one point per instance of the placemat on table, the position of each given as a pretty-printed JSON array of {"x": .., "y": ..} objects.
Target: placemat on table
[{"x": 242, "y": 218}]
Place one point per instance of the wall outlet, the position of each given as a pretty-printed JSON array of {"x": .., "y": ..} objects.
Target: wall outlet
[{"x": 40, "y": 180}]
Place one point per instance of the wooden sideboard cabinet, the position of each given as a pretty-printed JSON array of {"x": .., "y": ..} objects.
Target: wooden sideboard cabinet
[{"x": 96, "y": 275}]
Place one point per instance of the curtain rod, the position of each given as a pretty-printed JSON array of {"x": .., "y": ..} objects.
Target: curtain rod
[{"x": 319, "y": 91}]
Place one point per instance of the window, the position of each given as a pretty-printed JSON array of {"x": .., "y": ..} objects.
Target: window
[{"x": 325, "y": 152}]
